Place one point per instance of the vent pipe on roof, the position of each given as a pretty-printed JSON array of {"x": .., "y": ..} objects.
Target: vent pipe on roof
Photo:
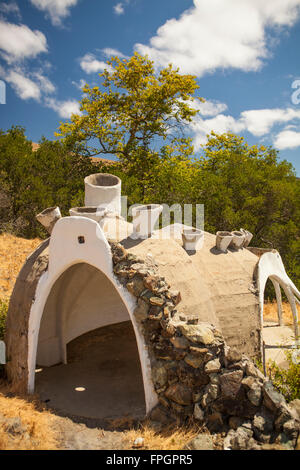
[
  {"x": 223, "y": 240},
  {"x": 49, "y": 217},
  {"x": 238, "y": 240},
  {"x": 192, "y": 239},
  {"x": 248, "y": 237},
  {"x": 103, "y": 190},
  {"x": 95, "y": 213},
  {"x": 144, "y": 218}
]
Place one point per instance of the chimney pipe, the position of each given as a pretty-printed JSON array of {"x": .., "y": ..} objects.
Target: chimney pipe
[
  {"x": 49, "y": 217},
  {"x": 104, "y": 190}
]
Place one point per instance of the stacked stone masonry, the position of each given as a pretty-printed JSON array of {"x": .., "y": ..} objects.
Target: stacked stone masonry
[{"x": 195, "y": 374}]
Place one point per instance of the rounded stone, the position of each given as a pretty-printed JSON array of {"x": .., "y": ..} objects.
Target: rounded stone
[
  {"x": 200, "y": 333},
  {"x": 180, "y": 394}
]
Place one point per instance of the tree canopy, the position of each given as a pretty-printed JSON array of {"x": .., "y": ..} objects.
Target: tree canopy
[
  {"x": 31, "y": 180},
  {"x": 133, "y": 113}
]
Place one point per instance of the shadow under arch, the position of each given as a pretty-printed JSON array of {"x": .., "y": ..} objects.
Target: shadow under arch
[{"x": 102, "y": 380}]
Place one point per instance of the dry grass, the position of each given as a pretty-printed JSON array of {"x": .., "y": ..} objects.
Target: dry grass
[
  {"x": 270, "y": 312},
  {"x": 170, "y": 438},
  {"x": 13, "y": 253},
  {"x": 37, "y": 432}
]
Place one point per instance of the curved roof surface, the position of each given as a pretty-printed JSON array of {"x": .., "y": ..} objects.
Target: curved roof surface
[{"x": 217, "y": 287}]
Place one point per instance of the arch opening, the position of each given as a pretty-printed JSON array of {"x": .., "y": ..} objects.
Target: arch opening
[
  {"x": 272, "y": 302},
  {"x": 276, "y": 334},
  {"x": 88, "y": 362}
]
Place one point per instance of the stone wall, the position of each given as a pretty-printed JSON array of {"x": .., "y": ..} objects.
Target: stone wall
[{"x": 195, "y": 374}]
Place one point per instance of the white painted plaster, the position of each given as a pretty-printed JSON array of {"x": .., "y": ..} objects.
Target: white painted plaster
[
  {"x": 278, "y": 300},
  {"x": 270, "y": 265},
  {"x": 192, "y": 239},
  {"x": 64, "y": 252},
  {"x": 103, "y": 190},
  {"x": 49, "y": 217},
  {"x": 223, "y": 240},
  {"x": 144, "y": 218}
]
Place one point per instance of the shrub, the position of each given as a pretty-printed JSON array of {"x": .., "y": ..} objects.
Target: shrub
[
  {"x": 3, "y": 312},
  {"x": 286, "y": 381}
]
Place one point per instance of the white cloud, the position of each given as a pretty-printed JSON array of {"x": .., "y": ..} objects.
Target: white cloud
[
  {"x": 79, "y": 85},
  {"x": 64, "y": 109},
  {"x": 221, "y": 123},
  {"x": 24, "y": 87},
  {"x": 18, "y": 42},
  {"x": 46, "y": 86},
  {"x": 119, "y": 9},
  {"x": 10, "y": 8},
  {"x": 209, "y": 108},
  {"x": 108, "y": 52},
  {"x": 55, "y": 9},
  {"x": 220, "y": 34},
  {"x": 90, "y": 64},
  {"x": 27, "y": 85},
  {"x": 287, "y": 139},
  {"x": 258, "y": 122}
]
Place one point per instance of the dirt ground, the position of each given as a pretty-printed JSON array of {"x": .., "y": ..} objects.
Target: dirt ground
[
  {"x": 102, "y": 379},
  {"x": 26, "y": 424}
]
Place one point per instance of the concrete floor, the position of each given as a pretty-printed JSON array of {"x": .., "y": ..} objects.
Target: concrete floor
[
  {"x": 273, "y": 334},
  {"x": 102, "y": 379}
]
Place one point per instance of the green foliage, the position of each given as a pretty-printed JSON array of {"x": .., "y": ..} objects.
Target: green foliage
[
  {"x": 31, "y": 181},
  {"x": 287, "y": 381},
  {"x": 248, "y": 186},
  {"x": 240, "y": 186},
  {"x": 3, "y": 312},
  {"x": 131, "y": 112}
]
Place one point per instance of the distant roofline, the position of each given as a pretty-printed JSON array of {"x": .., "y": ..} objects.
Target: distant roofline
[{"x": 95, "y": 160}]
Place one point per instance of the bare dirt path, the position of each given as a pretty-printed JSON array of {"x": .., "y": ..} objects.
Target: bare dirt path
[{"x": 73, "y": 436}]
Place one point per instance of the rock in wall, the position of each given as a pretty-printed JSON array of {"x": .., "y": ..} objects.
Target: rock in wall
[{"x": 195, "y": 374}]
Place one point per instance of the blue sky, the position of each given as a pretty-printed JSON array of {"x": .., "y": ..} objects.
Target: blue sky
[{"x": 245, "y": 54}]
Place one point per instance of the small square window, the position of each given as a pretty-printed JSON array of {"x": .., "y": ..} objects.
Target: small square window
[{"x": 81, "y": 239}]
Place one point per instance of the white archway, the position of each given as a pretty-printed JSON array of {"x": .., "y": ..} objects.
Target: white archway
[
  {"x": 80, "y": 241},
  {"x": 270, "y": 266}
]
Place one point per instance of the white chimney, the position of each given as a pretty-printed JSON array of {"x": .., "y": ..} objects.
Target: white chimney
[
  {"x": 103, "y": 190},
  {"x": 48, "y": 218},
  {"x": 144, "y": 218}
]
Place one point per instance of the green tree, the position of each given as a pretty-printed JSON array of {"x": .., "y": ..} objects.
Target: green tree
[
  {"x": 31, "y": 181},
  {"x": 133, "y": 113},
  {"x": 250, "y": 187}
]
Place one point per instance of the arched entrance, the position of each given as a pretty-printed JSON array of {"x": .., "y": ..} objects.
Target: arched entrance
[{"x": 87, "y": 358}]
